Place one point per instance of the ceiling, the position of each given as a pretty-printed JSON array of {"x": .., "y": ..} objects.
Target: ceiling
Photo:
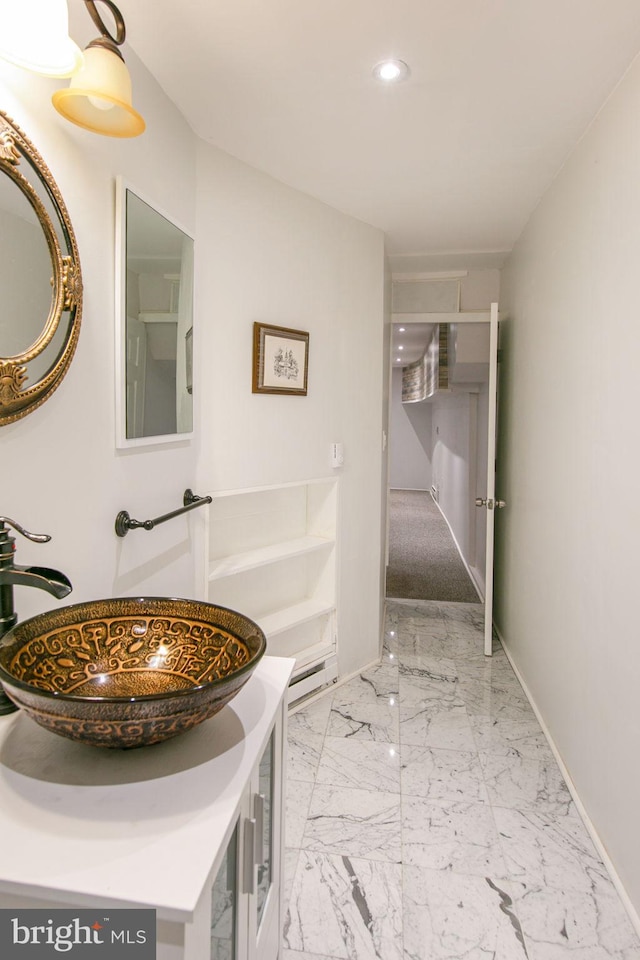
[
  {"x": 409, "y": 342},
  {"x": 449, "y": 163}
]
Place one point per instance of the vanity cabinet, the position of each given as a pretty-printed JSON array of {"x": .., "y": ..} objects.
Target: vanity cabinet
[
  {"x": 271, "y": 552},
  {"x": 246, "y": 904},
  {"x": 192, "y": 827}
]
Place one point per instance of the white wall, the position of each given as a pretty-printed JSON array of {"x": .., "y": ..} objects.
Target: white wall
[
  {"x": 460, "y": 424},
  {"x": 454, "y": 457},
  {"x": 62, "y": 474},
  {"x": 410, "y": 441},
  {"x": 268, "y": 253},
  {"x": 567, "y": 571},
  {"x": 479, "y": 289},
  {"x": 386, "y": 460},
  {"x": 264, "y": 252}
]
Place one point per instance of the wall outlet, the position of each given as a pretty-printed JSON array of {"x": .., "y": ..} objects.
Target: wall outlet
[{"x": 337, "y": 455}]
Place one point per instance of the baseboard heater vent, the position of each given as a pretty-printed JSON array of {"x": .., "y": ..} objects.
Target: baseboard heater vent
[
  {"x": 312, "y": 678},
  {"x": 307, "y": 673}
]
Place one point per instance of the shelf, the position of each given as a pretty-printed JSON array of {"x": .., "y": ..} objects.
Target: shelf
[
  {"x": 272, "y": 553},
  {"x": 294, "y": 616},
  {"x": 239, "y": 562},
  {"x": 157, "y": 317},
  {"x": 236, "y": 494},
  {"x": 319, "y": 653},
  {"x": 312, "y": 656}
]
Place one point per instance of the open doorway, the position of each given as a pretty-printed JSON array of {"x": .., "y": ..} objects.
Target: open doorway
[{"x": 438, "y": 432}]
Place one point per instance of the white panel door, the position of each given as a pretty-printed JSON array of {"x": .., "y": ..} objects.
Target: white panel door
[{"x": 490, "y": 502}]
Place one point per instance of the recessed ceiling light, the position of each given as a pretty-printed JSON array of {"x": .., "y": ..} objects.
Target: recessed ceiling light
[
  {"x": 401, "y": 347},
  {"x": 391, "y": 71},
  {"x": 401, "y": 329}
]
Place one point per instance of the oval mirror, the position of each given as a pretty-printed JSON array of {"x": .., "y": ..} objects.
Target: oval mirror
[{"x": 40, "y": 278}]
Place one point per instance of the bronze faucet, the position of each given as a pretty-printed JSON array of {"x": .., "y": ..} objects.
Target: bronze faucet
[{"x": 12, "y": 574}]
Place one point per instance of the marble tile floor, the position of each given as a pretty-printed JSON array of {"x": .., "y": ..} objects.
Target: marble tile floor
[{"x": 427, "y": 818}]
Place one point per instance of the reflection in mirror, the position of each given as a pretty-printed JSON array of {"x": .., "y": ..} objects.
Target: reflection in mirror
[
  {"x": 39, "y": 277},
  {"x": 155, "y": 328},
  {"x": 26, "y": 272}
]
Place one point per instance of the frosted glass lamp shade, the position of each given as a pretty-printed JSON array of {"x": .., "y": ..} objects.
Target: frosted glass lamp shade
[
  {"x": 99, "y": 96},
  {"x": 34, "y": 34}
]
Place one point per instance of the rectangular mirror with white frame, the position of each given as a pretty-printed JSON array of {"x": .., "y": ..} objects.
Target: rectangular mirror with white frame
[{"x": 154, "y": 323}]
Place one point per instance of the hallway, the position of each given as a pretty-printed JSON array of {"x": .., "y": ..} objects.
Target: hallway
[
  {"x": 424, "y": 561},
  {"x": 427, "y": 818}
]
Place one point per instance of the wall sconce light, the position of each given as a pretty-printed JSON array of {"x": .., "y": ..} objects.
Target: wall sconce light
[
  {"x": 34, "y": 34},
  {"x": 99, "y": 95}
]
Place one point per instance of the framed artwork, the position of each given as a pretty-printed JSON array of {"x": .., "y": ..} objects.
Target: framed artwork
[{"x": 280, "y": 360}]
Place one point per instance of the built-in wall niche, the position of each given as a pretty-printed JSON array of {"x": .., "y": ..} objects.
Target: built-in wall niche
[
  {"x": 271, "y": 552},
  {"x": 154, "y": 333}
]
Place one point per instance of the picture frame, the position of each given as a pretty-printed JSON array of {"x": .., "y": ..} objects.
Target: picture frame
[{"x": 280, "y": 360}]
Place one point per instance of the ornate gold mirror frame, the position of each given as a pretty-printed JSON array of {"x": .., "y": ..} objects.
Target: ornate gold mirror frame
[{"x": 19, "y": 160}]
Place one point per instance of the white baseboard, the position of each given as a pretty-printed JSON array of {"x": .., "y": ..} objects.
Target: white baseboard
[
  {"x": 410, "y": 489},
  {"x": 478, "y": 580},
  {"x": 593, "y": 833}
]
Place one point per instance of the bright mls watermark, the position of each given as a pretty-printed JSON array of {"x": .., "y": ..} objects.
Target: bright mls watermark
[{"x": 79, "y": 934}]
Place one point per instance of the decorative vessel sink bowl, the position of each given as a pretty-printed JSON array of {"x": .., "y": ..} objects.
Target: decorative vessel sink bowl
[{"x": 130, "y": 671}]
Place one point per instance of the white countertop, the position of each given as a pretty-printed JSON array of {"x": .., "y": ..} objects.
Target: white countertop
[{"x": 88, "y": 826}]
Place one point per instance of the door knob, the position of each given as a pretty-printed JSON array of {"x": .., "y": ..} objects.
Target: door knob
[
  {"x": 480, "y": 502},
  {"x": 490, "y": 504}
]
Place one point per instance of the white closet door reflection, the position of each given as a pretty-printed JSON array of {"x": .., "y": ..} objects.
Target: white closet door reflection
[
  {"x": 224, "y": 905},
  {"x": 264, "y": 817}
]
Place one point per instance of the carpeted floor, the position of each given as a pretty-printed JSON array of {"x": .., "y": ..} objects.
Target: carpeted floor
[{"x": 424, "y": 563}]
